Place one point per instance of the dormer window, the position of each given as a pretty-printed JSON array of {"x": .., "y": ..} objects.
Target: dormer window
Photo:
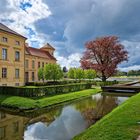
[
  {"x": 4, "y": 39},
  {"x": 17, "y": 43}
]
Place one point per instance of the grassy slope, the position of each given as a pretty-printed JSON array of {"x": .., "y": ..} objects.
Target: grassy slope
[
  {"x": 21, "y": 102},
  {"x": 120, "y": 124}
]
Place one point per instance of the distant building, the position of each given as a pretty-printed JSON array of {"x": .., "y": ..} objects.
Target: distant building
[
  {"x": 36, "y": 58},
  {"x": 19, "y": 63}
]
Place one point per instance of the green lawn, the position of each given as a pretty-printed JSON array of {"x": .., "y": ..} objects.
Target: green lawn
[
  {"x": 120, "y": 124},
  {"x": 27, "y": 103}
]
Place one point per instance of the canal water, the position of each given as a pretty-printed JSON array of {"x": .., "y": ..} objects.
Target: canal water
[{"x": 59, "y": 123}]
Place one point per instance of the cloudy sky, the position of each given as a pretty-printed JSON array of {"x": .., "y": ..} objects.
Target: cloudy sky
[{"x": 68, "y": 24}]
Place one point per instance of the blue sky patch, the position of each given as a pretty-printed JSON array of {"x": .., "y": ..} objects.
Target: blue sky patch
[
  {"x": 30, "y": 31},
  {"x": 25, "y": 5}
]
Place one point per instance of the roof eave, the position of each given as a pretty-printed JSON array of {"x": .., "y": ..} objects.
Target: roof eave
[{"x": 14, "y": 34}]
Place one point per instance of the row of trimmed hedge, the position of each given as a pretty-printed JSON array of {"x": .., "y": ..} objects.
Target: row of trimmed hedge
[
  {"x": 64, "y": 82},
  {"x": 43, "y": 91},
  {"x": 48, "y": 83},
  {"x": 106, "y": 83}
]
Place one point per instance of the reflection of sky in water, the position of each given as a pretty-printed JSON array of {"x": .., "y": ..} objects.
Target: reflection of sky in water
[
  {"x": 120, "y": 100},
  {"x": 67, "y": 125},
  {"x": 96, "y": 97},
  {"x": 70, "y": 122}
]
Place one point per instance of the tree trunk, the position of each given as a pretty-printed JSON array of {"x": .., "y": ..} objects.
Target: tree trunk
[{"x": 103, "y": 78}]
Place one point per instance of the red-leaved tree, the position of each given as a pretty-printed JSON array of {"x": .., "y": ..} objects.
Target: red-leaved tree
[{"x": 103, "y": 55}]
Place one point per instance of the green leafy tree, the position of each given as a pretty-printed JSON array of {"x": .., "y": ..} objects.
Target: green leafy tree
[
  {"x": 71, "y": 73},
  {"x": 41, "y": 74},
  {"x": 90, "y": 74},
  {"x": 79, "y": 73},
  {"x": 120, "y": 73},
  {"x": 53, "y": 72}
]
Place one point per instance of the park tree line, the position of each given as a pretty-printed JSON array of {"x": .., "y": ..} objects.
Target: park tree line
[
  {"x": 129, "y": 73},
  {"x": 54, "y": 72}
]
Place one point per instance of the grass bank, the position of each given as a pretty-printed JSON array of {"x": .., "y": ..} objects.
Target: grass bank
[
  {"x": 28, "y": 103},
  {"x": 120, "y": 124}
]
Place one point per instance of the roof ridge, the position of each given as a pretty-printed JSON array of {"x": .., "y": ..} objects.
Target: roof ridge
[
  {"x": 7, "y": 29},
  {"x": 37, "y": 49}
]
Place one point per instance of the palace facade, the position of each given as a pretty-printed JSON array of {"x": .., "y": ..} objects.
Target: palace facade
[{"x": 19, "y": 63}]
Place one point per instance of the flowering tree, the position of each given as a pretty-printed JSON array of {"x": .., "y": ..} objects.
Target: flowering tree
[{"x": 103, "y": 55}]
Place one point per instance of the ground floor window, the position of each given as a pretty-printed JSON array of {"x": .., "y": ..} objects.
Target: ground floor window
[
  {"x": 4, "y": 84},
  {"x": 16, "y": 84},
  {"x": 2, "y": 132},
  {"x": 17, "y": 73},
  {"x": 33, "y": 76},
  {"x": 4, "y": 72}
]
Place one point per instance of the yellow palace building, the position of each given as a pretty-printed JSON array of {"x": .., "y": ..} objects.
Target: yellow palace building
[{"x": 19, "y": 63}]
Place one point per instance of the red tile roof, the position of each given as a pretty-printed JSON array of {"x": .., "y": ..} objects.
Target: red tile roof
[{"x": 39, "y": 53}]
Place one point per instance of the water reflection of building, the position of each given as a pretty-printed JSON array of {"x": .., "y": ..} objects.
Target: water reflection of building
[
  {"x": 11, "y": 127},
  {"x": 48, "y": 117}
]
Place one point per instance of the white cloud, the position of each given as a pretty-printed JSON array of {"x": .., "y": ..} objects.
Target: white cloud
[
  {"x": 77, "y": 22},
  {"x": 21, "y": 18},
  {"x": 135, "y": 67},
  {"x": 70, "y": 61}
]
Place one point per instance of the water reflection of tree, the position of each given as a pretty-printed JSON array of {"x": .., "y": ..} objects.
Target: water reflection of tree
[{"x": 93, "y": 109}]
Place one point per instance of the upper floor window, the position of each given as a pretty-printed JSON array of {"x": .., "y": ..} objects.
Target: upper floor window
[
  {"x": 38, "y": 64},
  {"x": 33, "y": 64},
  {"x": 4, "y": 72},
  {"x": 4, "y": 39},
  {"x": 17, "y": 43},
  {"x": 17, "y": 56},
  {"x": 4, "y": 54},
  {"x": 26, "y": 63},
  {"x": 16, "y": 73}
]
